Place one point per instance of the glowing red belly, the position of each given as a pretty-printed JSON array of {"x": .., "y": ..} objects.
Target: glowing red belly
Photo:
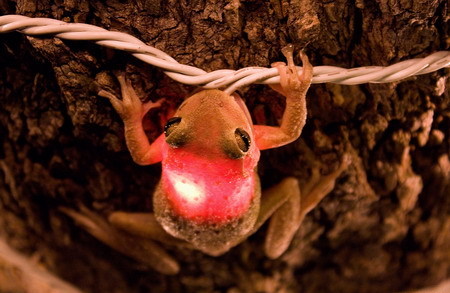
[{"x": 205, "y": 191}]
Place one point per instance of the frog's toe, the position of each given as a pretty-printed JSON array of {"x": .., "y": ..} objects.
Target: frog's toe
[{"x": 147, "y": 106}]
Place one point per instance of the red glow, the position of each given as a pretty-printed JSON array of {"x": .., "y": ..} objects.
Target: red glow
[{"x": 203, "y": 189}]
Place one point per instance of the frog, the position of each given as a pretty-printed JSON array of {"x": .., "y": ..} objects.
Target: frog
[{"x": 209, "y": 196}]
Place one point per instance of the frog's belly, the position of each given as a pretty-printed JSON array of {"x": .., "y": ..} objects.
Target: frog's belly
[{"x": 213, "y": 227}]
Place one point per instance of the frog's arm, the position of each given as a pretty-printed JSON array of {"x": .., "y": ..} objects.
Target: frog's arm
[
  {"x": 132, "y": 111},
  {"x": 294, "y": 87}
]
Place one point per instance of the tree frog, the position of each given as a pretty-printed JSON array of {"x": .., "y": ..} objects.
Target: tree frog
[{"x": 209, "y": 196}]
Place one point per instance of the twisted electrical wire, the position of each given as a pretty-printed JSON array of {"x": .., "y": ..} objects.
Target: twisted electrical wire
[{"x": 231, "y": 79}]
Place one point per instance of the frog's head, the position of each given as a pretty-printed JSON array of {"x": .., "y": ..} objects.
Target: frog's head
[{"x": 212, "y": 123}]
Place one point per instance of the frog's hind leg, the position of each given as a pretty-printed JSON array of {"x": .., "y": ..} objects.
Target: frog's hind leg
[
  {"x": 141, "y": 249},
  {"x": 286, "y": 220},
  {"x": 144, "y": 225}
]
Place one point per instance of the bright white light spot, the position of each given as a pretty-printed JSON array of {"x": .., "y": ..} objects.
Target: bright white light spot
[{"x": 188, "y": 190}]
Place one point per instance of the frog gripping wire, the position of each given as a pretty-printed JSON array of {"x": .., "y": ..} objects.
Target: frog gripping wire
[{"x": 229, "y": 79}]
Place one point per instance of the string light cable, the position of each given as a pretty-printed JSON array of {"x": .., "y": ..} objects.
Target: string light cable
[{"x": 229, "y": 79}]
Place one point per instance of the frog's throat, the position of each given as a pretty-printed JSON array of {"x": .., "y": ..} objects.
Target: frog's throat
[
  {"x": 214, "y": 233},
  {"x": 208, "y": 193}
]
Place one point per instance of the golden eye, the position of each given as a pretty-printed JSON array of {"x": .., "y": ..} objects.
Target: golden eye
[
  {"x": 242, "y": 139},
  {"x": 171, "y": 124}
]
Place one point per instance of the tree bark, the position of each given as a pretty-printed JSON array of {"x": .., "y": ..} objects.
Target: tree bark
[{"x": 384, "y": 228}]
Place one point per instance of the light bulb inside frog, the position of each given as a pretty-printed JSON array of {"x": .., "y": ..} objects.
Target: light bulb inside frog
[{"x": 209, "y": 194}]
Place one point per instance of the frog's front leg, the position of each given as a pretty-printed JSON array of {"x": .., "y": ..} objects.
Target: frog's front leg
[
  {"x": 139, "y": 248},
  {"x": 294, "y": 87},
  {"x": 132, "y": 111}
]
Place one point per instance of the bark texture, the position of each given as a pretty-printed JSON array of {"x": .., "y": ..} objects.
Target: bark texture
[{"x": 384, "y": 228}]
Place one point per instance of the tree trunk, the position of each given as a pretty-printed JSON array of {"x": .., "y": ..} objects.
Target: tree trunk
[{"x": 384, "y": 228}]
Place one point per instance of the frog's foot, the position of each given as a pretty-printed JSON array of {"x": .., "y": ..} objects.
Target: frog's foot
[
  {"x": 294, "y": 205},
  {"x": 293, "y": 84},
  {"x": 142, "y": 250},
  {"x": 319, "y": 186},
  {"x": 130, "y": 108}
]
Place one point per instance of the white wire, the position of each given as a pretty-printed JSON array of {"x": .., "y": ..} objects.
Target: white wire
[{"x": 231, "y": 79}]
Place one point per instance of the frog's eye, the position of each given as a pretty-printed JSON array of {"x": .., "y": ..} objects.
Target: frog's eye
[
  {"x": 171, "y": 124},
  {"x": 242, "y": 139}
]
